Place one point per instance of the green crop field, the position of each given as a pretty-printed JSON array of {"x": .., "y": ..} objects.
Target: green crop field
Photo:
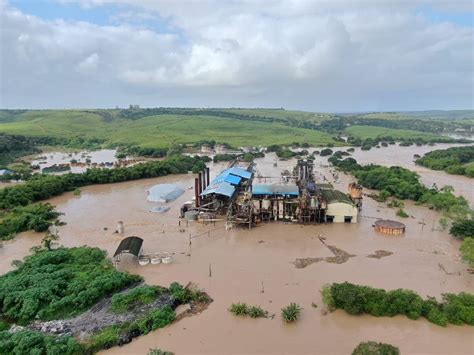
[{"x": 159, "y": 130}]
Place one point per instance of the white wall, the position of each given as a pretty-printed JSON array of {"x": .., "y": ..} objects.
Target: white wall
[{"x": 340, "y": 209}]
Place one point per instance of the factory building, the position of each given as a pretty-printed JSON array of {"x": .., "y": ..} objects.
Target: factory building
[{"x": 299, "y": 199}]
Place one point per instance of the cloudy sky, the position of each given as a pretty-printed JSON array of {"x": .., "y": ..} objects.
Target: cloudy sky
[{"x": 337, "y": 55}]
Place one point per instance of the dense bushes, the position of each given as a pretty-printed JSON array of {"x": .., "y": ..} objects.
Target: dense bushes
[
  {"x": 462, "y": 229},
  {"x": 374, "y": 348},
  {"x": 29, "y": 342},
  {"x": 355, "y": 299},
  {"x": 457, "y": 160},
  {"x": 37, "y": 217},
  {"x": 326, "y": 152},
  {"x": 59, "y": 283},
  {"x": 42, "y": 187}
]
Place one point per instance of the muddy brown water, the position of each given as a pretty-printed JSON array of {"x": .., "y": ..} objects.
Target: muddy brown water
[{"x": 244, "y": 263}]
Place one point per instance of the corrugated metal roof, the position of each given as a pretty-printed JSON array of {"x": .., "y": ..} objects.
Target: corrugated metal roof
[
  {"x": 336, "y": 196},
  {"x": 223, "y": 183},
  {"x": 275, "y": 189},
  {"x": 233, "y": 179},
  {"x": 240, "y": 172},
  {"x": 222, "y": 188}
]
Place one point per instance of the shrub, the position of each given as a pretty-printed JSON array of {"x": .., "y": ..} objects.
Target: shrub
[
  {"x": 257, "y": 312},
  {"x": 354, "y": 299},
  {"x": 462, "y": 229},
  {"x": 402, "y": 213},
  {"x": 374, "y": 348},
  {"x": 239, "y": 309},
  {"x": 242, "y": 309},
  {"x": 326, "y": 152},
  {"x": 291, "y": 312}
]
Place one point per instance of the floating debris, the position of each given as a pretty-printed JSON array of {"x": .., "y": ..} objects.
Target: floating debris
[
  {"x": 160, "y": 209},
  {"x": 378, "y": 254}
]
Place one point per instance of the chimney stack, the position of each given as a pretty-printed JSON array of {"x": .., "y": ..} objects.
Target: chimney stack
[{"x": 196, "y": 192}]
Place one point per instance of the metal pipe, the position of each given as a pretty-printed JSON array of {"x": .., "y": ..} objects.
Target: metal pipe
[{"x": 196, "y": 192}]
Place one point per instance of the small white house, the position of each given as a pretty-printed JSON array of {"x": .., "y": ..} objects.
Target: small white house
[{"x": 340, "y": 208}]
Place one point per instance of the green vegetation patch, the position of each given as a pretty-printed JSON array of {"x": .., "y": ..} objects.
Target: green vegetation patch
[
  {"x": 456, "y": 160},
  {"x": 374, "y": 348},
  {"x": 242, "y": 309},
  {"x": 291, "y": 313},
  {"x": 138, "y": 296},
  {"x": 117, "y": 334},
  {"x": 467, "y": 250},
  {"x": 37, "y": 217},
  {"x": 354, "y": 299},
  {"x": 59, "y": 283},
  {"x": 30, "y": 342}
]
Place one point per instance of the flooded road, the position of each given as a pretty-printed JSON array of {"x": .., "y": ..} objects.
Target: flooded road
[{"x": 244, "y": 263}]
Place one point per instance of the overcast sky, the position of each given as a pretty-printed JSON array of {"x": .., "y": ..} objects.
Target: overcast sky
[{"x": 332, "y": 56}]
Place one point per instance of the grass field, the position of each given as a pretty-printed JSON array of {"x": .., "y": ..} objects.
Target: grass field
[
  {"x": 159, "y": 131},
  {"x": 365, "y": 132}
]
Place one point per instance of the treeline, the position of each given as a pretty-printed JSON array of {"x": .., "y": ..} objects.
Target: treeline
[
  {"x": 456, "y": 160},
  {"x": 41, "y": 187},
  {"x": 13, "y": 147},
  {"x": 354, "y": 299}
]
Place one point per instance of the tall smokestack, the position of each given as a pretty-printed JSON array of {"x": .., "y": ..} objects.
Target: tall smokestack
[
  {"x": 207, "y": 177},
  {"x": 204, "y": 181},
  {"x": 196, "y": 192},
  {"x": 200, "y": 182}
]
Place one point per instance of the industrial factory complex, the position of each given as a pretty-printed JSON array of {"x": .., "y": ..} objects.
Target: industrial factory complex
[{"x": 235, "y": 195}]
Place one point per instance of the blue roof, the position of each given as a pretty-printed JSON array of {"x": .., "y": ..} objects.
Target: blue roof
[
  {"x": 223, "y": 184},
  {"x": 223, "y": 188},
  {"x": 232, "y": 179},
  {"x": 240, "y": 172},
  {"x": 278, "y": 190}
]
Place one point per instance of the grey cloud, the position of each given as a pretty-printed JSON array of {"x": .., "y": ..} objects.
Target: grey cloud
[{"x": 317, "y": 55}]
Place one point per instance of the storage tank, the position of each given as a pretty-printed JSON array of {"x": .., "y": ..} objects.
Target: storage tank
[{"x": 355, "y": 190}]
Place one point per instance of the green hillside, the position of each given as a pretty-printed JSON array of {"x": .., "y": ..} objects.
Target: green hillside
[{"x": 124, "y": 126}]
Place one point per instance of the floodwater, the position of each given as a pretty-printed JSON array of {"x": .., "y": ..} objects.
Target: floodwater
[
  {"x": 49, "y": 159},
  {"x": 403, "y": 156},
  {"x": 256, "y": 266}
]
